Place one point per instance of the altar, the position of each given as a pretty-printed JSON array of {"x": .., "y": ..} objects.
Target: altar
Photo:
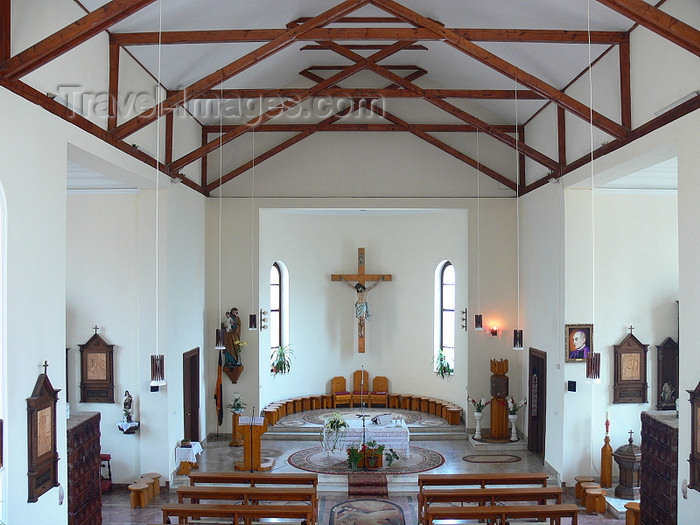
[{"x": 394, "y": 435}]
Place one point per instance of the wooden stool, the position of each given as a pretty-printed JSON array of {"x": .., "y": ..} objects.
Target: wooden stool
[
  {"x": 327, "y": 400},
  {"x": 595, "y": 501},
  {"x": 394, "y": 400},
  {"x": 306, "y": 403},
  {"x": 151, "y": 484},
  {"x": 585, "y": 485},
  {"x": 316, "y": 402},
  {"x": 577, "y": 488},
  {"x": 406, "y": 401},
  {"x": 416, "y": 402},
  {"x": 139, "y": 495},
  {"x": 156, "y": 478},
  {"x": 454, "y": 415},
  {"x": 632, "y": 515}
]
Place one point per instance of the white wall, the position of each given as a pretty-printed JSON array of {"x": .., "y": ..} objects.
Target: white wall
[{"x": 315, "y": 240}]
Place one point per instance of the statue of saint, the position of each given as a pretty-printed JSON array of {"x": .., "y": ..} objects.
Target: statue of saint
[{"x": 127, "y": 405}]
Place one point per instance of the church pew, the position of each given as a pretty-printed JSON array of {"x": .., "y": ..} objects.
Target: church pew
[
  {"x": 247, "y": 495},
  {"x": 253, "y": 478},
  {"x": 234, "y": 513},
  {"x": 487, "y": 496},
  {"x": 483, "y": 479},
  {"x": 501, "y": 513}
]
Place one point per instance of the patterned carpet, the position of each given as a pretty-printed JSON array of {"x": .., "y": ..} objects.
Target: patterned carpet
[
  {"x": 491, "y": 458},
  {"x": 318, "y": 417},
  {"x": 366, "y": 512},
  {"x": 318, "y": 460}
]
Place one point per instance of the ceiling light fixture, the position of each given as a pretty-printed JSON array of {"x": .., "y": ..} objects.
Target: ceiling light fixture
[
  {"x": 478, "y": 319},
  {"x": 593, "y": 358},
  {"x": 158, "y": 359},
  {"x": 517, "y": 332}
]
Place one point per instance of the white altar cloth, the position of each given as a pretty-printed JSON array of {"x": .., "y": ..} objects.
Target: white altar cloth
[
  {"x": 188, "y": 453},
  {"x": 394, "y": 435}
]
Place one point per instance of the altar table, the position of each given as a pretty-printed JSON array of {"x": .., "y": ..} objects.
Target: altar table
[
  {"x": 186, "y": 457},
  {"x": 393, "y": 435}
]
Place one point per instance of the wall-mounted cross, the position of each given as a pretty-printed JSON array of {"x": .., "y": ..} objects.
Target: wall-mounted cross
[{"x": 361, "y": 308}]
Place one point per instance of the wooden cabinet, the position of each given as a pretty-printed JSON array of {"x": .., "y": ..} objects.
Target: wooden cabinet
[
  {"x": 84, "y": 494},
  {"x": 659, "y": 471}
]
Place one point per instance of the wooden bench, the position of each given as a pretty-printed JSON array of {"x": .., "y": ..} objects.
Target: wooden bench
[
  {"x": 500, "y": 514},
  {"x": 248, "y": 495},
  {"x": 234, "y": 513},
  {"x": 255, "y": 478},
  {"x": 487, "y": 496},
  {"x": 483, "y": 479}
]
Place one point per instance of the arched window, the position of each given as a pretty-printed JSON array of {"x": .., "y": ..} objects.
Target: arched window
[
  {"x": 445, "y": 311},
  {"x": 279, "y": 299}
]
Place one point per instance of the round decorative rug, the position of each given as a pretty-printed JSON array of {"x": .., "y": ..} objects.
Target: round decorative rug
[
  {"x": 318, "y": 417},
  {"x": 366, "y": 511},
  {"x": 237, "y": 453},
  {"x": 318, "y": 460},
  {"x": 491, "y": 458}
]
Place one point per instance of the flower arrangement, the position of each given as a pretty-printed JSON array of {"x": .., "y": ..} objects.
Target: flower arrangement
[
  {"x": 514, "y": 406},
  {"x": 479, "y": 405},
  {"x": 355, "y": 455},
  {"x": 336, "y": 422},
  {"x": 236, "y": 404}
]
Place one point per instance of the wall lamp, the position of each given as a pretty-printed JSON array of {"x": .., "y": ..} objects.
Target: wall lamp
[{"x": 494, "y": 331}]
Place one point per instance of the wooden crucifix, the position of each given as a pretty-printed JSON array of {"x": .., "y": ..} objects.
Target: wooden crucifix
[{"x": 361, "y": 307}]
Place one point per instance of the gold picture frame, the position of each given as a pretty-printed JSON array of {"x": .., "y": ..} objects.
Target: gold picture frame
[{"x": 579, "y": 342}]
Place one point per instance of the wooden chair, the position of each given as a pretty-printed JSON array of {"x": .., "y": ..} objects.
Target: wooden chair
[
  {"x": 360, "y": 386},
  {"x": 339, "y": 391},
  {"x": 380, "y": 391}
]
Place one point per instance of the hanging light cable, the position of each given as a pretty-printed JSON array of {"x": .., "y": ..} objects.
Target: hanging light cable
[
  {"x": 221, "y": 331},
  {"x": 593, "y": 359},
  {"x": 517, "y": 333},
  {"x": 252, "y": 318},
  {"x": 478, "y": 318},
  {"x": 158, "y": 359}
]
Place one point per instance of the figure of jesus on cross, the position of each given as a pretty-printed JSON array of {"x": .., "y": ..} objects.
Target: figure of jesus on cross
[{"x": 361, "y": 305}]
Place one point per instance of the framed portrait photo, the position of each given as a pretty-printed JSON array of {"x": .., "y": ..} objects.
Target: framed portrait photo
[{"x": 579, "y": 342}]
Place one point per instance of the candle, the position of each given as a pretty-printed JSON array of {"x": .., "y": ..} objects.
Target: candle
[{"x": 607, "y": 415}]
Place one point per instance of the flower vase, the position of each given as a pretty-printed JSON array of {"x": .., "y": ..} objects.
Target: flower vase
[
  {"x": 478, "y": 416},
  {"x": 513, "y": 431}
]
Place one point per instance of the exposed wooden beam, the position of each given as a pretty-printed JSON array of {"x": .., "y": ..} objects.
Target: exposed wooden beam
[
  {"x": 365, "y": 47},
  {"x": 203, "y": 162},
  {"x": 673, "y": 114},
  {"x": 223, "y": 36},
  {"x": 659, "y": 22},
  {"x": 415, "y": 130},
  {"x": 113, "y": 107},
  {"x": 446, "y": 106},
  {"x": 232, "y": 69},
  {"x": 5, "y": 30},
  {"x": 168, "y": 138},
  {"x": 492, "y": 94},
  {"x": 70, "y": 36},
  {"x": 279, "y": 148},
  {"x": 356, "y": 20},
  {"x": 625, "y": 85},
  {"x": 281, "y": 108},
  {"x": 521, "y": 160},
  {"x": 297, "y": 128},
  {"x": 561, "y": 135},
  {"x": 506, "y": 68},
  {"x": 32, "y": 95}
]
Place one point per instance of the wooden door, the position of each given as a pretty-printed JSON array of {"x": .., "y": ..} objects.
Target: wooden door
[
  {"x": 190, "y": 392},
  {"x": 537, "y": 408}
]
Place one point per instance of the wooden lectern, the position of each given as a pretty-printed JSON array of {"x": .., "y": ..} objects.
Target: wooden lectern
[{"x": 251, "y": 428}]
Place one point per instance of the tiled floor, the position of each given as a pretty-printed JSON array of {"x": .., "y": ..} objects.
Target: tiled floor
[{"x": 333, "y": 488}]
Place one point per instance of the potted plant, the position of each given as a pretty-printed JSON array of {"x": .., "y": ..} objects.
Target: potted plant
[
  {"x": 513, "y": 407},
  {"x": 236, "y": 407},
  {"x": 281, "y": 359},
  {"x": 355, "y": 456},
  {"x": 332, "y": 430},
  {"x": 373, "y": 455},
  {"x": 479, "y": 407},
  {"x": 442, "y": 365},
  {"x": 390, "y": 457}
]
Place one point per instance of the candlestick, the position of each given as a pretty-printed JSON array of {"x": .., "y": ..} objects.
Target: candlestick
[{"x": 607, "y": 415}]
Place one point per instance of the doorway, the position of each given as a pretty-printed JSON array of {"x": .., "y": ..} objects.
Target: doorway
[
  {"x": 537, "y": 413},
  {"x": 190, "y": 391}
]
